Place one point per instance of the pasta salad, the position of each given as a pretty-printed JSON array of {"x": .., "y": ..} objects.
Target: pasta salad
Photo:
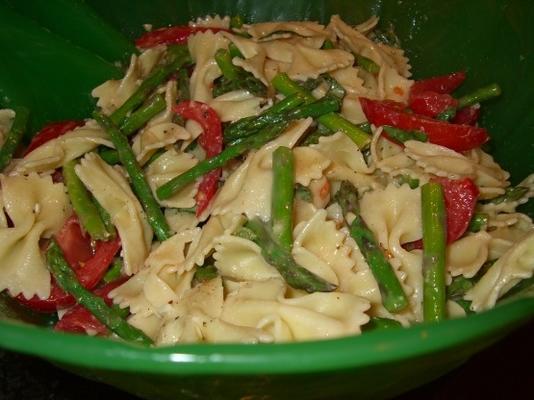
[{"x": 257, "y": 183}]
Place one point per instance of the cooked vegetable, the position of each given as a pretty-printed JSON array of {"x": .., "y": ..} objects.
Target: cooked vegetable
[
  {"x": 67, "y": 280},
  {"x": 235, "y": 78},
  {"x": 139, "y": 184},
  {"x": 402, "y": 136},
  {"x": 379, "y": 323},
  {"x": 178, "y": 57},
  {"x": 282, "y": 196},
  {"x": 114, "y": 272},
  {"x": 170, "y": 35},
  {"x": 439, "y": 84},
  {"x": 211, "y": 140},
  {"x": 510, "y": 194},
  {"x": 453, "y": 136},
  {"x": 478, "y": 222},
  {"x": 205, "y": 273},
  {"x": 332, "y": 121},
  {"x": 434, "y": 244},
  {"x": 14, "y": 136},
  {"x": 367, "y": 64},
  {"x": 143, "y": 114},
  {"x": 276, "y": 255},
  {"x": 480, "y": 95},
  {"x": 393, "y": 295},
  {"x": 83, "y": 205},
  {"x": 203, "y": 167}
]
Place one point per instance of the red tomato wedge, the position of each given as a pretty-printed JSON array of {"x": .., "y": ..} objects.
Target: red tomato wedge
[
  {"x": 89, "y": 267},
  {"x": 467, "y": 115},
  {"x": 51, "y": 131},
  {"x": 431, "y": 104},
  {"x": 79, "y": 320},
  {"x": 443, "y": 84},
  {"x": 171, "y": 35},
  {"x": 453, "y": 136},
  {"x": 461, "y": 197},
  {"x": 211, "y": 140}
]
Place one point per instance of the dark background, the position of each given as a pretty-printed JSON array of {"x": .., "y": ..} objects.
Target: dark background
[{"x": 504, "y": 371}]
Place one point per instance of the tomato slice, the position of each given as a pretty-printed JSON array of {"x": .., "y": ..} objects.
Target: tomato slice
[
  {"x": 89, "y": 266},
  {"x": 79, "y": 320},
  {"x": 443, "y": 84},
  {"x": 51, "y": 131},
  {"x": 431, "y": 104},
  {"x": 211, "y": 140},
  {"x": 454, "y": 136},
  {"x": 467, "y": 115},
  {"x": 171, "y": 35}
]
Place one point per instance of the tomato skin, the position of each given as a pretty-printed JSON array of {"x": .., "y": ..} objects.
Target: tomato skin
[
  {"x": 444, "y": 84},
  {"x": 211, "y": 140},
  {"x": 453, "y": 136},
  {"x": 171, "y": 35},
  {"x": 467, "y": 115},
  {"x": 79, "y": 320},
  {"x": 89, "y": 266},
  {"x": 51, "y": 131},
  {"x": 461, "y": 197},
  {"x": 431, "y": 104}
]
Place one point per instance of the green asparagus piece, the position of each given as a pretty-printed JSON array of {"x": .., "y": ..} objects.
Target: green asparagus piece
[
  {"x": 280, "y": 258},
  {"x": 244, "y": 233},
  {"x": 413, "y": 183},
  {"x": 447, "y": 114},
  {"x": 479, "y": 95},
  {"x": 224, "y": 61},
  {"x": 466, "y": 305},
  {"x": 143, "y": 114},
  {"x": 393, "y": 295},
  {"x": 67, "y": 280},
  {"x": 182, "y": 83},
  {"x": 234, "y": 51},
  {"x": 203, "y": 167},
  {"x": 140, "y": 186},
  {"x": 206, "y": 273},
  {"x": 510, "y": 194},
  {"x": 379, "y": 323},
  {"x": 115, "y": 271},
  {"x": 314, "y": 136},
  {"x": 478, "y": 222},
  {"x": 14, "y": 136},
  {"x": 402, "y": 136},
  {"x": 110, "y": 156},
  {"x": 83, "y": 204},
  {"x": 246, "y": 126},
  {"x": 157, "y": 154},
  {"x": 328, "y": 45},
  {"x": 520, "y": 288},
  {"x": 434, "y": 244},
  {"x": 459, "y": 286},
  {"x": 332, "y": 121},
  {"x": 367, "y": 64},
  {"x": 106, "y": 218},
  {"x": 236, "y": 22},
  {"x": 179, "y": 56},
  {"x": 282, "y": 196}
]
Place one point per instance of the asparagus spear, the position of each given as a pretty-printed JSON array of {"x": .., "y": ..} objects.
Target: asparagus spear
[
  {"x": 282, "y": 196},
  {"x": 67, "y": 280},
  {"x": 479, "y": 95},
  {"x": 83, "y": 205},
  {"x": 110, "y": 156},
  {"x": 379, "y": 323},
  {"x": 179, "y": 56},
  {"x": 203, "y": 167},
  {"x": 236, "y": 22},
  {"x": 393, "y": 295},
  {"x": 328, "y": 45},
  {"x": 14, "y": 136},
  {"x": 206, "y": 273},
  {"x": 434, "y": 243},
  {"x": 458, "y": 287},
  {"x": 332, "y": 121},
  {"x": 140, "y": 186},
  {"x": 402, "y": 136},
  {"x": 143, "y": 114},
  {"x": 478, "y": 222},
  {"x": 276, "y": 255},
  {"x": 413, "y": 183},
  {"x": 106, "y": 218},
  {"x": 246, "y": 126},
  {"x": 367, "y": 64},
  {"x": 115, "y": 270},
  {"x": 510, "y": 194}
]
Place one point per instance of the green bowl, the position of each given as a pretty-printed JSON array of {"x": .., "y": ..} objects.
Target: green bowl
[{"x": 54, "y": 52}]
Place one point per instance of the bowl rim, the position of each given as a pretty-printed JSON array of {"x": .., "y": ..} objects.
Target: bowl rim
[{"x": 371, "y": 348}]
